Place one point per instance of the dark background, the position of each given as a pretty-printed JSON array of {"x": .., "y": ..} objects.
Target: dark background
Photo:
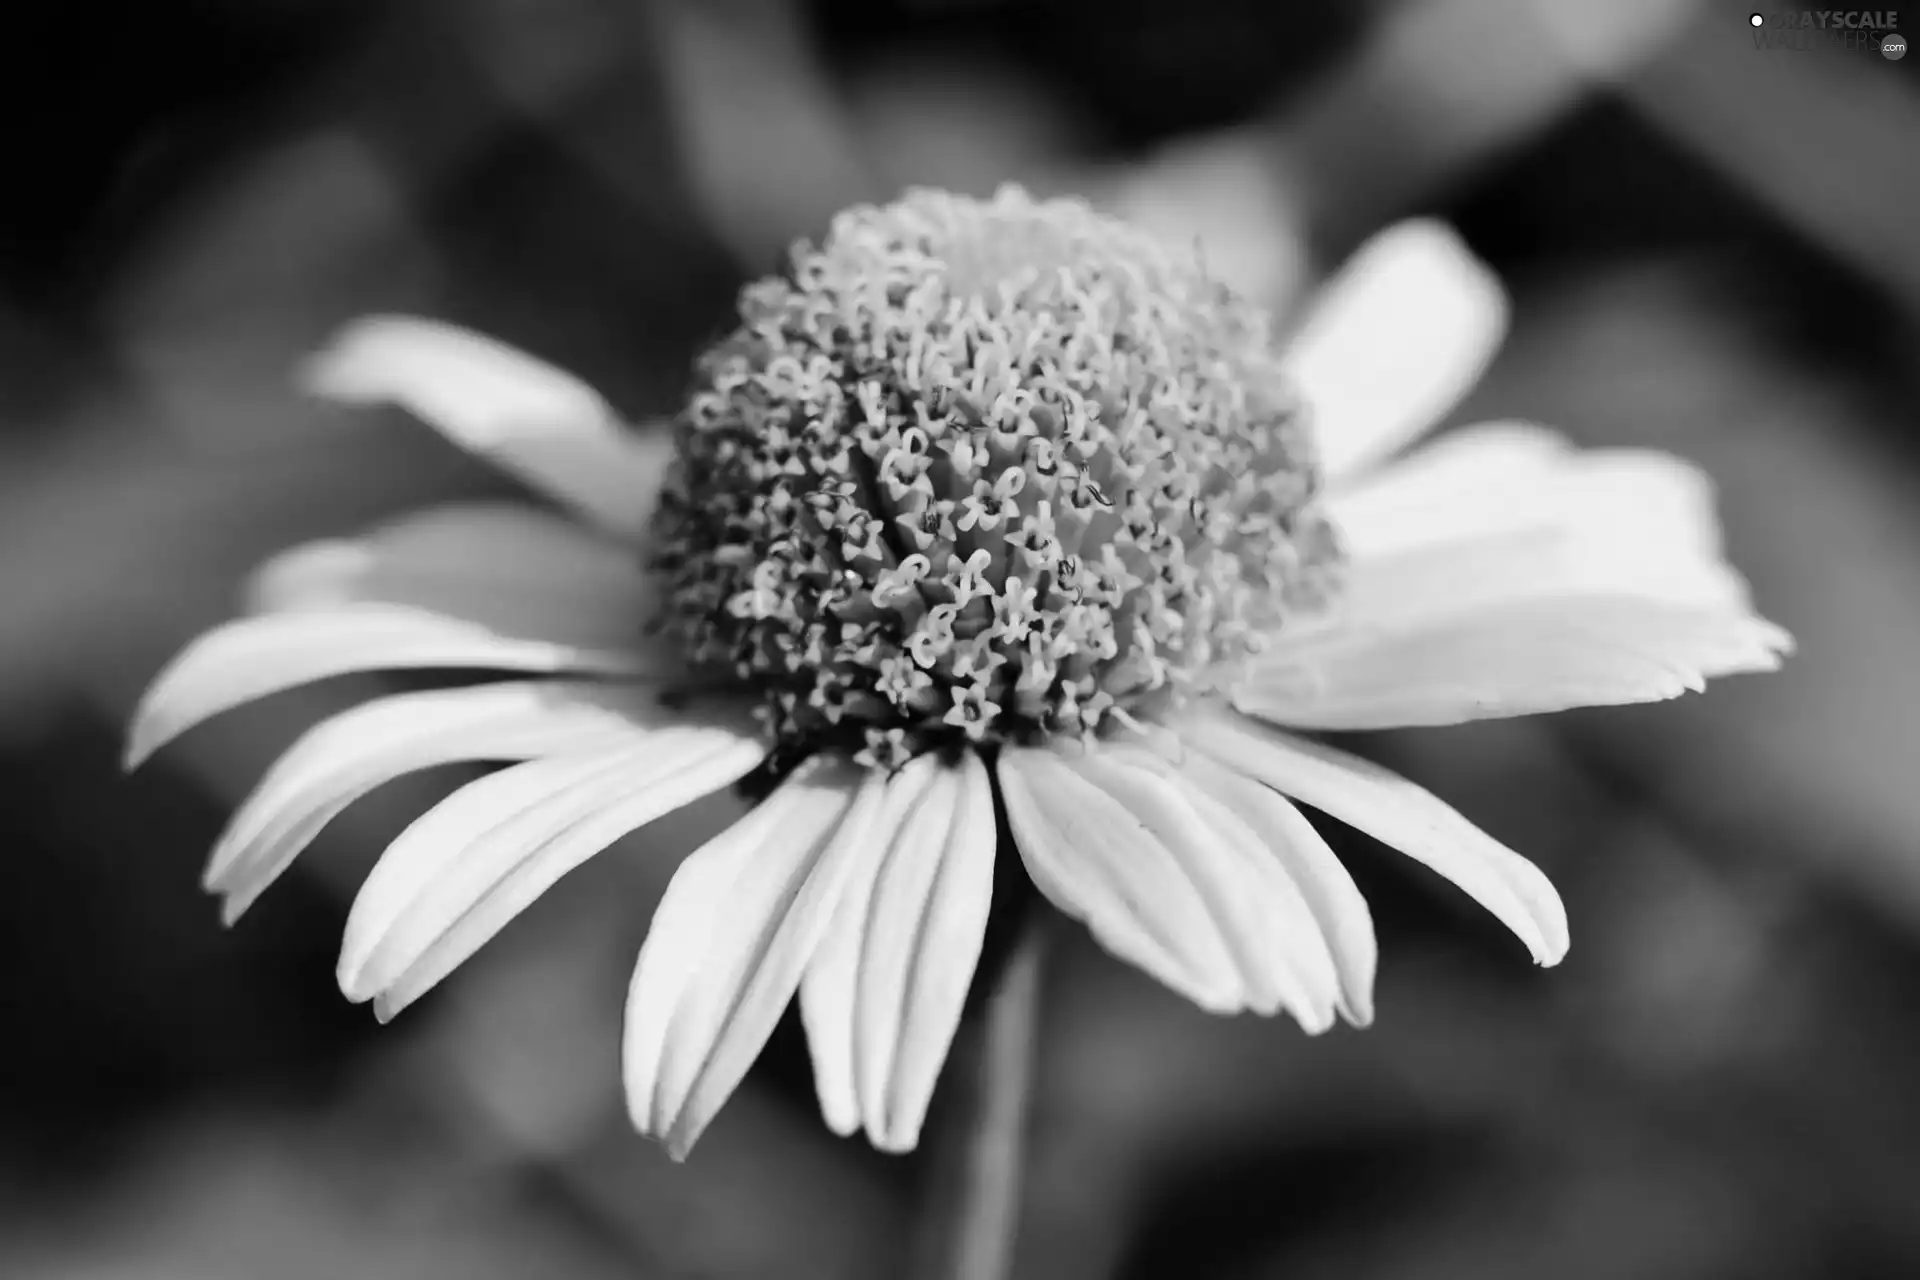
[{"x": 1712, "y": 249}]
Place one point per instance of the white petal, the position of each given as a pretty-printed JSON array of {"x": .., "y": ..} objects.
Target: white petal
[
  {"x": 1098, "y": 862},
  {"x": 252, "y": 657},
  {"x": 1522, "y": 657},
  {"x": 312, "y": 575},
  {"x": 545, "y": 426},
  {"x": 1265, "y": 921},
  {"x": 830, "y": 988},
  {"x": 470, "y": 888},
  {"x": 1339, "y": 912},
  {"x": 1394, "y": 341},
  {"x": 512, "y": 569},
  {"x": 728, "y": 945},
  {"x": 1502, "y": 511},
  {"x": 1395, "y": 812},
  {"x": 925, "y": 920},
  {"x": 1465, "y": 484},
  {"x": 1451, "y": 581},
  {"x": 345, "y": 757},
  {"x": 439, "y": 838}
]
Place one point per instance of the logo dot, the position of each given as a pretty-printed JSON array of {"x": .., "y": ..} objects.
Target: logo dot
[{"x": 1756, "y": 20}]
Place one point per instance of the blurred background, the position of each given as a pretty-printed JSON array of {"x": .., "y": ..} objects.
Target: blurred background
[{"x": 1712, "y": 248}]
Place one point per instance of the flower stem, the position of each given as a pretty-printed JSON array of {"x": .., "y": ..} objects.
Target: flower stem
[{"x": 973, "y": 1210}]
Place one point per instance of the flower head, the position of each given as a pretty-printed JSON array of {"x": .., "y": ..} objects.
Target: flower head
[
  {"x": 1013, "y": 443},
  {"x": 991, "y": 516}
]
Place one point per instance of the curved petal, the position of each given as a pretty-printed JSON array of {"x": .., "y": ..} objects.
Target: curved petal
[
  {"x": 543, "y": 425},
  {"x": 251, "y": 658},
  {"x": 1283, "y": 959},
  {"x": 883, "y": 993},
  {"x": 1466, "y": 483},
  {"x": 1099, "y": 862},
  {"x": 345, "y": 757},
  {"x": 1395, "y": 812},
  {"x": 1451, "y": 581},
  {"x": 830, "y": 988},
  {"x": 512, "y": 569},
  {"x": 455, "y": 824},
  {"x": 1394, "y": 341},
  {"x": 463, "y": 870},
  {"x": 1338, "y": 910},
  {"x": 1521, "y": 657},
  {"x": 729, "y": 943},
  {"x": 1502, "y": 511}
]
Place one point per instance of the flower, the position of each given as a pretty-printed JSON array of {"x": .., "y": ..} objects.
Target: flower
[{"x": 990, "y": 514}]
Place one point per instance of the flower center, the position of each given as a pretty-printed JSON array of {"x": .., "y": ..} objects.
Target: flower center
[{"x": 986, "y": 471}]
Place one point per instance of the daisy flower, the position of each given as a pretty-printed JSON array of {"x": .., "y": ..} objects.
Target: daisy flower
[{"x": 996, "y": 539}]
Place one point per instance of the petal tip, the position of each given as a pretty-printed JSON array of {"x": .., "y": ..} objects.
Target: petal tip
[
  {"x": 232, "y": 907},
  {"x": 326, "y": 375},
  {"x": 143, "y": 739},
  {"x": 346, "y": 367},
  {"x": 315, "y": 377},
  {"x": 348, "y": 975},
  {"x": 639, "y": 1100},
  {"x": 225, "y": 864},
  {"x": 1436, "y": 254},
  {"x": 1221, "y": 1003},
  {"x": 683, "y": 1133},
  {"x": 1355, "y": 1001},
  {"x": 1318, "y": 1023},
  {"x": 895, "y": 1144}
]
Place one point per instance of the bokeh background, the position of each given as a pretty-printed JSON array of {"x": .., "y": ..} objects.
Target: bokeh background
[{"x": 1712, "y": 249}]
